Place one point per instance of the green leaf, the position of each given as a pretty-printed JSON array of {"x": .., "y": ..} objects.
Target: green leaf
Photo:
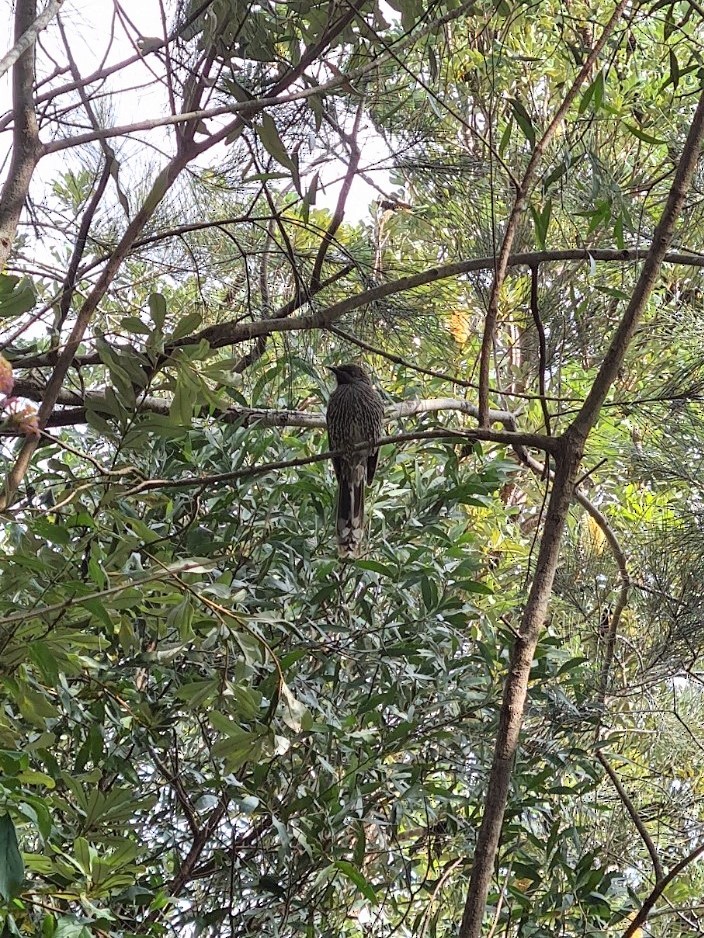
[
  {"x": 157, "y": 310},
  {"x": 505, "y": 137},
  {"x": 135, "y": 325},
  {"x": 541, "y": 221},
  {"x": 269, "y": 136},
  {"x": 645, "y": 137},
  {"x": 186, "y": 325},
  {"x": 295, "y": 715},
  {"x": 674, "y": 69},
  {"x": 11, "y": 866},
  {"x": 594, "y": 94},
  {"x": 70, "y": 928},
  {"x": 17, "y": 296},
  {"x": 523, "y": 120},
  {"x": 358, "y": 878}
]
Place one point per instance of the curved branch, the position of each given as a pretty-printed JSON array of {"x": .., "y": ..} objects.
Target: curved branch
[{"x": 233, "y": 331}]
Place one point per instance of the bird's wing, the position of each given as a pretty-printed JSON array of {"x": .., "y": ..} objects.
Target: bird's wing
[{"x": 372, "y": 460}]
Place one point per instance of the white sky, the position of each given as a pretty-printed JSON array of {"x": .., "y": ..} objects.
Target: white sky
[{"x": 88, "y": 25}]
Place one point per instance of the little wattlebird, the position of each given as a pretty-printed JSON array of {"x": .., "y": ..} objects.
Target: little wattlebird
[{"x": 355, "y": 415}]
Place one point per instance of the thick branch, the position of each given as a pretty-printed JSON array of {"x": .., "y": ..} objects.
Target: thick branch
[
  {"x": 250, "y": 416},
  {"x": 25, "y": 135},
  {"x": 234, "y": 332},
  {"x": 571, "y": 447},
  {"x": 515, "y": 690},
  {"x": 620, "y": 558}
]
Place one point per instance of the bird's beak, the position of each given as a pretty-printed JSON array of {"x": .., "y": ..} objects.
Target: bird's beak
[{"x": 332, "y": 368}]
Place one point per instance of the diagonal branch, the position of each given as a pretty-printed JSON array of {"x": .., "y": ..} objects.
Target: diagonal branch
[
  {"x": 568, "y": 450},
  {"x": 633, "y": 814},
  {"x": 636, "y": 925},
  {"x": 339, "y": 214},
  {"x": 29, "y": 34},
  {"x": 519, "y": 205}
]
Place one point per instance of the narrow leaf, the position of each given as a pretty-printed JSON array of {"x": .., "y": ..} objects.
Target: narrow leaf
[{"x": 11, "y": 866}]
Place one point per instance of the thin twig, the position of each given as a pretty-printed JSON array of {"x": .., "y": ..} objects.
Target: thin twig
[
  {"x": 634, "y": 816},
  {"x": 542, "y": 348},
  {"x": 532, "y": 440}
]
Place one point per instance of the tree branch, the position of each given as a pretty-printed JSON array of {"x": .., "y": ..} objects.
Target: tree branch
[
  {"x": 26, "y": 147},
  {"x": 635, "y": 926},
  {"x": 570, "y": 448},
  {"x": 533, "y": 440},
  {"x": 662, "y": 237},
  {"x": 339, "y": 213},
  {"x": 520, "y": 203},
  {"x": 29, "y": 35},
  {"x": 255, "y": 416},
  {"x": 233, "y": 331},
  {"x": 633, "y": 814}
]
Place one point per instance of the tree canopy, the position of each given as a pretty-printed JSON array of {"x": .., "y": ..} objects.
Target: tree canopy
[{"x": 490, "y": 723}]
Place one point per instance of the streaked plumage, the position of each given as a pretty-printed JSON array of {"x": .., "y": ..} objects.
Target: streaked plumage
[{"x": 355, "y": 415}]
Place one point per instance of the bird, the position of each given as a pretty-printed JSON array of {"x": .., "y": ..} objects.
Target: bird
[{"x": 355, "y": 415}]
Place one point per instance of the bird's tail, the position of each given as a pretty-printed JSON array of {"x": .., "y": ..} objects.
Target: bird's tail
[{"x": 350, "y": 517}]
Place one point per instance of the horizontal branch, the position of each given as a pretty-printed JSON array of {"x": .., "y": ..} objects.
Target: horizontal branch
[
  {"x": 235, "y": 332},
  {"x": 76, "y": 407},
  {"x": 516, "y": 440}
]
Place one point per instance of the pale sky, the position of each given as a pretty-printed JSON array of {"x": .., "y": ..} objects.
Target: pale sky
[{"x": 88, "y": 25}]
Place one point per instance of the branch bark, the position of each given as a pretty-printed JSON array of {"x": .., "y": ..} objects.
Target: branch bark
[
  {"x": 234, "y": 332},
  {"x": 26, "y": 147},
  {"x": 28, "y": 37},
  {"x": 570, "y": 448},
  {"x": 259, "y": 416},
  {"x": 641, "y": 918}
]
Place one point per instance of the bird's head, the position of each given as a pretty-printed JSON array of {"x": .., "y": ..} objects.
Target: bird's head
[{"x": 349, "y": 374}]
